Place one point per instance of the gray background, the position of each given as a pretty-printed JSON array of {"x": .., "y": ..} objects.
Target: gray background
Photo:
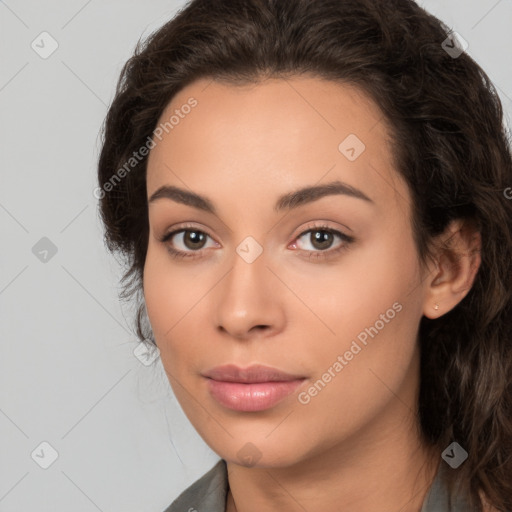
[{"x": 68, "y": 373}]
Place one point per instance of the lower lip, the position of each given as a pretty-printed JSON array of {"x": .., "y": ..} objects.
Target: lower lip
[{"x": 251, "y": 397}]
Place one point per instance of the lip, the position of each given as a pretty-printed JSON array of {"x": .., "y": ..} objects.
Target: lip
[
  {"x": 253, "y": 374},
  {"x": 255, "y": 388}
]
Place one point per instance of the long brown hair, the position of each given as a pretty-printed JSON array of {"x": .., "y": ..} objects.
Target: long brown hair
[{"x": 450, "y": 144}]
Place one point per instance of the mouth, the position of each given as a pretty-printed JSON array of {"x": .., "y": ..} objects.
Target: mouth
[{"x": 256, "y": 388}]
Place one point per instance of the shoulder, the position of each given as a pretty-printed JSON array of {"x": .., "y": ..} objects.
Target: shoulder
[{"x": 207, "y": 493}]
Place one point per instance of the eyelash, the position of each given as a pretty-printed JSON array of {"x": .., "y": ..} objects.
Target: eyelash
[{"x": 317, "y": 255}]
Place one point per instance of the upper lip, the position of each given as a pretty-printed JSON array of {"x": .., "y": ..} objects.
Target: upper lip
[{"x": 251, "y": 374}]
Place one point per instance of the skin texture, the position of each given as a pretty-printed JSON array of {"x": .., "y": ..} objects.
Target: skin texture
[{"x": 356, "y": 442}]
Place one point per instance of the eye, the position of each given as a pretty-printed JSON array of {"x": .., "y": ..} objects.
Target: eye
[
  {"x": 319, "y": 239},
  {"x": 186, "y": 242}
]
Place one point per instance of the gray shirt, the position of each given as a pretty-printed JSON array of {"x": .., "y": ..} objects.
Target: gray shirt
[{"x": 208, "y": 494}]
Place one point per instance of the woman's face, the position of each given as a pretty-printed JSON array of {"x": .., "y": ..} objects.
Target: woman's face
[{"x": 323, "y": 286}]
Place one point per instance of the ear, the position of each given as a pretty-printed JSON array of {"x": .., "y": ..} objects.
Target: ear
[{"x": 457, "y": 262}]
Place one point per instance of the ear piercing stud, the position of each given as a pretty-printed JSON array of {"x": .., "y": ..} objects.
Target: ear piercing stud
[{"x": 436, "y": 306}]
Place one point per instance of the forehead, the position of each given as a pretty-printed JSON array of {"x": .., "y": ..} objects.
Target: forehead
[{"x": 273, "y": 136}]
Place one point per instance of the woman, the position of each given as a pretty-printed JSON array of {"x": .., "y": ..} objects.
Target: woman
[{"x": 313, "y": 199}]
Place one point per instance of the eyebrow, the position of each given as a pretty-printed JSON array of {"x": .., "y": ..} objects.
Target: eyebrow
[{"x": 287, "y": 201}]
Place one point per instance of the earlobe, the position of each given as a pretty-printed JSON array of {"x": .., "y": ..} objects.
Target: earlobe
[{"x": 457, "y": 263}]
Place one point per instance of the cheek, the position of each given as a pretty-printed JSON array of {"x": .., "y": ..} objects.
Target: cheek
[
  {"x": 347, "y": 297},
  {"x": 159, "y": 292},
  {"x": 168, "y": 294},
  {"x": 367, "y": 311},
  {"x": 173, "y": 294}
]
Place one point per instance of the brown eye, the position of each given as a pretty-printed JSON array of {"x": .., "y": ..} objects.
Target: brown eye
[
  {"x": 321, "y": 242},
  {"x": 186, "y": 242},
  {"x": 321, "y": 239},
  {"x": 194, "y": 239}
]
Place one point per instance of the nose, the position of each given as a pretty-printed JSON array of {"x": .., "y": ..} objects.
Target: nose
[{"x": 249, "y": 300}]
